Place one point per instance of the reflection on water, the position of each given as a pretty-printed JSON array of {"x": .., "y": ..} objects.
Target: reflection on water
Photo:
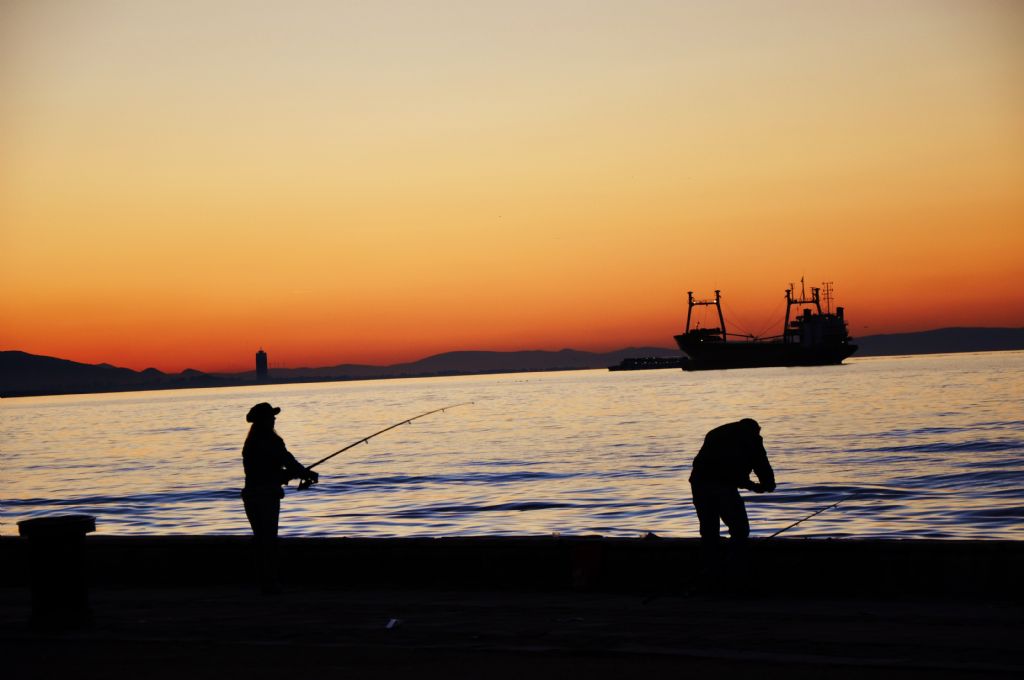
[{"x": 926, "y": 446}]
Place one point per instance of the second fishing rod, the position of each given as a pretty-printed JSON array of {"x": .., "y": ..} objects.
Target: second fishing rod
[{"x": 306, "y": 483}]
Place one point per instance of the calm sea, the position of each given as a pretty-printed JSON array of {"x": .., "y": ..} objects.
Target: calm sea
[{"x": 924, "y": 446}]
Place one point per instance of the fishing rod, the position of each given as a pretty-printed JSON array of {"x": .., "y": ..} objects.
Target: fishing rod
[
  {"x": 304, "y": 485},
  {"x": 816, "y": 512}
]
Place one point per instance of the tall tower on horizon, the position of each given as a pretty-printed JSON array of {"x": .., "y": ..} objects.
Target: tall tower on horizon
[{"x": 261, "y": 364}]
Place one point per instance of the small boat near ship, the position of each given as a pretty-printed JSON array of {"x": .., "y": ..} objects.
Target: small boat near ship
[
  {"x": 812, "y": 338},
  {"x": 647, "y": 363}
]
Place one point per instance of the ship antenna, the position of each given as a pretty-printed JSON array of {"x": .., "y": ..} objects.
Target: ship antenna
[{"x": 828, "y": 295}]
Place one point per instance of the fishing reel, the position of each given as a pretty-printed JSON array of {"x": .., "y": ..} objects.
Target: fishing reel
[{"x": 309, "y": 480}]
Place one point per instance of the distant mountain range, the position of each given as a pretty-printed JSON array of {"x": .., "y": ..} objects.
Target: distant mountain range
[
  {"x": 471, "y": 362},
  {"x": 941, "y": 341},
  {"x": 23, "y": 374}
]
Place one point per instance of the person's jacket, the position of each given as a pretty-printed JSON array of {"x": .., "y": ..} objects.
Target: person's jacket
[
  {"x": 268, "y": 464},
  {"x": 729, "y": 454}
]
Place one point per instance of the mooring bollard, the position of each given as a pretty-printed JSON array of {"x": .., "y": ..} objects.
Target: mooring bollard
[{"x": 60, "y": 592}]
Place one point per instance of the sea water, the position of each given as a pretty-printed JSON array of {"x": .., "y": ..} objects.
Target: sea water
[{"x": 912, "y": 447}]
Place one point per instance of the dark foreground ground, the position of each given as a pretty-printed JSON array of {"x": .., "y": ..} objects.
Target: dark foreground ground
[{"x": 514, "y": 608}]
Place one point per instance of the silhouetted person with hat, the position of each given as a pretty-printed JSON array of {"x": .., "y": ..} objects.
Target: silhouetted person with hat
[
  {"x": 268, "y": 466},
  {"x": 721, "y": 468}
]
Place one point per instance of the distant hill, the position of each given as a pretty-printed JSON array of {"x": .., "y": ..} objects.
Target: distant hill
[
  {"x": 470, "y": 362},
  {"x": 941, "y": 340},
  {"x": 23, "y": 374}
]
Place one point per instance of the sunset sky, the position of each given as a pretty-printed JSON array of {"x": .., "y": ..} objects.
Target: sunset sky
[{"x": 184, "y": 182}]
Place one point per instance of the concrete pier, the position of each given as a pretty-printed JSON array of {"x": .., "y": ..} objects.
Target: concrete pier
[{"x": 493, "y": 607}]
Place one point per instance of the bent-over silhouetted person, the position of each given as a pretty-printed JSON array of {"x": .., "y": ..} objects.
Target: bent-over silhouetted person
[
  {"x": 721, "y": 468},
  {"x": 268, "y": 466}
]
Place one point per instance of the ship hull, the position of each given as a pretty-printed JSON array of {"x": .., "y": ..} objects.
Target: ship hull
[{"x": 702, "y": 356}]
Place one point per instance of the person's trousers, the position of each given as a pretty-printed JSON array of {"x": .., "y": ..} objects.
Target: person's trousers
[
  {"x": 263, "y": 511},
  {"x": 715, "y": 503}
]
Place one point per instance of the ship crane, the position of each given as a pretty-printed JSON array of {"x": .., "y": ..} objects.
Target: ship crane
[{"x": 717, "y": 304}]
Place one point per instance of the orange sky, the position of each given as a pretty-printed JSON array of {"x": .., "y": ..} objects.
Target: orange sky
[{"x": 183, "y": 182}]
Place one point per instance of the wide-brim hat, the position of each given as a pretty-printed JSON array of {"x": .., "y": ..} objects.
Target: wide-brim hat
[
  {"x": 262, "y": 411},
  {"x": 749, "y": 423}
]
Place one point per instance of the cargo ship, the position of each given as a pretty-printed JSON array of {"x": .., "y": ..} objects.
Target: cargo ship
[{"x": 813, "y": 337}]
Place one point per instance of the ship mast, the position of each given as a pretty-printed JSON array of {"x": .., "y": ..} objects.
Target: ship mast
[
  {"x": 785, "y": 323},
  {"x": 828, "y": 296}
]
